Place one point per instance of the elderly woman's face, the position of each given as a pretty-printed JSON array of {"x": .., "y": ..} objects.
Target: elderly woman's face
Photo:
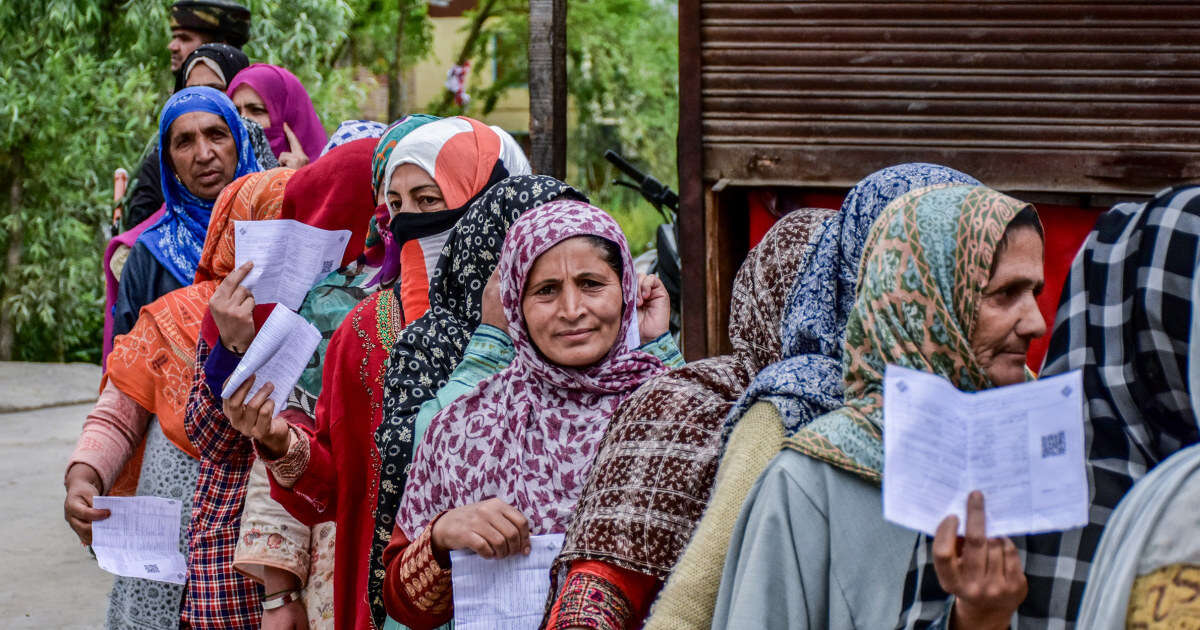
[
  {"x": 1009, "y": 318},
  {"x": 251, "y": 106},
  {"x": 202, "y": 153},
  {"x": 572, "y": 304}
]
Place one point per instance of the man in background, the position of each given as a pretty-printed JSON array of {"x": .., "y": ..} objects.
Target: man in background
[{"x": 193, "y": 22}]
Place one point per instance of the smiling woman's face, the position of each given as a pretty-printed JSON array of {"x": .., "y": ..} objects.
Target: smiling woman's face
[
  {"x": 572, "y": 304},
  {"x": 413, "y": 190}
]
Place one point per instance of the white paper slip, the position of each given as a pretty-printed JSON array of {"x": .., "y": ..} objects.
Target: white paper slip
[
  {"x": 289, "y": 258},
  {"x": 505, "y": 594},
  {"x": 1021, "y": 445},
  {"x": 278, "y": 355},
  {"x": 140, "y": 538}
]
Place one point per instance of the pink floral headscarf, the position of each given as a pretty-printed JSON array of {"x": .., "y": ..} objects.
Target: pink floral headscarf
[{"x": 528, "y": 435}]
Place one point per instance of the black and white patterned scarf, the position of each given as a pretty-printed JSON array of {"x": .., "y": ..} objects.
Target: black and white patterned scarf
[
  {"x": 430, "y": 347},
  {"x": 1124, "y": 319}
]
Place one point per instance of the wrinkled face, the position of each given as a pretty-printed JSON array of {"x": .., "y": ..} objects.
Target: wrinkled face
[
  {"x": 413, "y": 190},
  {"x": 202, "y": 75},
  {"x": 251, "y": 106},
  {"x": 1009, "y": 318},
  {"x": 182, "y": 43},
  {"x": 202, "y": 153},
  {"x": 572, "y": 304}
]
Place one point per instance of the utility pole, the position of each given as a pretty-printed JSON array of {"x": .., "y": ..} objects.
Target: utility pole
[{"x": 548, "y": 86}]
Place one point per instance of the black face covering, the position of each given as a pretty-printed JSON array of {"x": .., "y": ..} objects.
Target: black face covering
[{"x": 408, "y": 226}]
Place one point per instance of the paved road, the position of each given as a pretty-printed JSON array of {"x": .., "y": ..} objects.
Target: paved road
[{"x": 48, "y": 579}]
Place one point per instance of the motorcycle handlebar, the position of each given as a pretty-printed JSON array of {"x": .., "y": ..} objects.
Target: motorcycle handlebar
[{"x": 625, "y": 167}]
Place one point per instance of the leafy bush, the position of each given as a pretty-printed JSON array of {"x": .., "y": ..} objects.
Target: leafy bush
[
  {"x": 622, "y": 70},
  {"x": 80, "y": 89}
]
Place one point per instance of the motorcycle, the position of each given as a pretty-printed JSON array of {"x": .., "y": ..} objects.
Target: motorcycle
[{"x": 663, "y": 260}]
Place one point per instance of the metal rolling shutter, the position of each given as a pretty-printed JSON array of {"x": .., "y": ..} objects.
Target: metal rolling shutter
[{"x": 1037, "y": 96}]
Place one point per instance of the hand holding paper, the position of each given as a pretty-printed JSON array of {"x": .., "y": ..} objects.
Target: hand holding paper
[
  {"x": 140, "y": 538},
  {"x": 983, "y": 574},
  {"x": 1021, "y": 446},
  {"x": 289, "y": 258},
  {"x": 504, "y": 594},
  {"x": 278, "y": 355}
]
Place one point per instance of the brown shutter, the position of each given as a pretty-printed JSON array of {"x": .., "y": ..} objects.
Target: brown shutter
[
  {"x": 1046, "y": 96},
  {"x": 1040, "y": 96}
]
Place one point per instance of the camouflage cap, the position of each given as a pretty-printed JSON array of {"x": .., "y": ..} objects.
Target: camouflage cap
[{"x": 226, "y": 20}]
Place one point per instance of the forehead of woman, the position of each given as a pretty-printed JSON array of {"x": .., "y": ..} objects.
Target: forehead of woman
[
  {"x": 272, "y": 84},
  {"x": 575, "y": 257},
  {"x": 542, "y": 228},
  {"x": 387, "y": 143},
  {"x": 199, "y": 99},
  {"x": 217, "y": 63}
]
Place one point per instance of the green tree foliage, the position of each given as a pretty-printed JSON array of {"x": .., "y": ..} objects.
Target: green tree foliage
[
  {"x": 622, "y": 79},
  {"x": 81, "y": 84}
]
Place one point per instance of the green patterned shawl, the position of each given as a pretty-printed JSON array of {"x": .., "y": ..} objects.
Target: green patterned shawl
[{"x": 928, "y": 259}]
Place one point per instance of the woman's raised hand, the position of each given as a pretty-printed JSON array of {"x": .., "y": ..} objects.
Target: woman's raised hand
[
  {"x": 492, "y": 309},
  {"x": 653, "y": 307},
  {"x": 491, "y": 528},
  {"x": 232, "y": 308},
  {"x": 256, "y": 419},
  {"x": 984, "y": 575},
  {"x": 294, "y": 157}
]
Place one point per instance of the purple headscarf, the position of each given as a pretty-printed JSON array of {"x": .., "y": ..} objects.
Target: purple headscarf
[
  {"x": 287, "y": 102},
  {"x": 529, "y": 433}
]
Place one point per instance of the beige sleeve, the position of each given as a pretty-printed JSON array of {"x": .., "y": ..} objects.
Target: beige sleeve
[
  {"x": 112, "y": 431},
  {"x": 269, "y": 536},
  {"x": 690, "y": 594}
]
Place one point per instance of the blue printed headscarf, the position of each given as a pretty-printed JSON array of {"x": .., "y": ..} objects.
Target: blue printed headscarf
[
  {"x": 807, "y": 382},
  {"x": 350, "y": 130},
  {"x": 176, "y": 239}
]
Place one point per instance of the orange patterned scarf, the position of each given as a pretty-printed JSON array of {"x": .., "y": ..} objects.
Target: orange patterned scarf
[{"x": 154, "y": 363}]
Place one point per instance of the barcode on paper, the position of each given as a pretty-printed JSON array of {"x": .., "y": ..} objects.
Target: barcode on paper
[{"x": 1054, "y": 444}]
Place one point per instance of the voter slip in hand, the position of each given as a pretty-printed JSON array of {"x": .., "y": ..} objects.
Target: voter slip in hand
[
  {"x": 278, "y": 355},
  {"x": 505, "y": 594},
  {"x": 140, "y": 538},
  {"x": 289, "y": 258},
  {"x": 1021, "y": 445}
]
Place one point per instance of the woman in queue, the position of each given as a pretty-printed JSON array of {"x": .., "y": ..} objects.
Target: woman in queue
[
  {"x": 948, "y": 286},
  {"x": 333, "y": 471},
  {"x": 1123, "y": 320},
  {"x": 134, "y": 439},
  {"x": 203, "y": 146},
  {"x": 570, "y": 296},
  {"x": 275, "y": 99},
  {"x": 331, "y": 194}
]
